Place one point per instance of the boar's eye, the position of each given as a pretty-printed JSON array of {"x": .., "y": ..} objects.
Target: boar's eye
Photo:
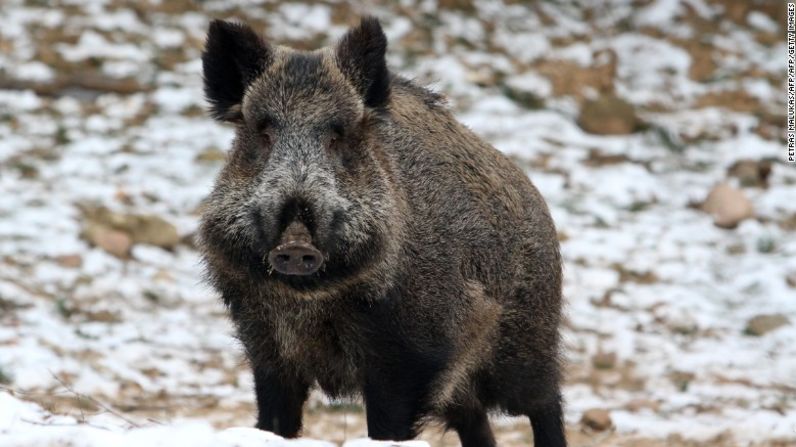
[
  {"x": 265, "y": 129},
  {"x": 267, "y": 135},
  {"x": 335, "y": 135}
]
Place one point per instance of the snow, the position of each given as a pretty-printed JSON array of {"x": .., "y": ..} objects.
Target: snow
[
  {"x": 762, "y": 22},
  {"x": 647, "y": 277},
  {"x": 531, "y": 82},
  {"x": 24, "y": 424},
  {"x": 93, "y": 44}
]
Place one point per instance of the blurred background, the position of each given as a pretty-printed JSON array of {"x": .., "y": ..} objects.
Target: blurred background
[{"x": 654, "y": 128}]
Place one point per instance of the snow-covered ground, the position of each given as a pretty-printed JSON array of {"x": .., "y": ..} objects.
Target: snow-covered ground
[{"x": 101, "y": 106}]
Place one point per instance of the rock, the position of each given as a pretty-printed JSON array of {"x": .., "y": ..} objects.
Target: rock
[
  {"x": 69, "y": 261},
  {"x": 115, "y": 242},
  {"x": 790, "y": 279},
  {"x": 637, "y": 405},
  {"x": 153, "y": 230},
  {"x": 751, "y": 172},
  {"x": 736, "y": 249},
  {"x": 604, "y": 360},
  {"x": 211, "y": 155},
  {"x": 140, "y": 228},
  {"x": 104, "y": 316},
  {"x": 597, "y": 419},
  {"x": 763, "y": 324},
  {"x": 727, "y": 205},
  {"x": 608, "y": 115}
]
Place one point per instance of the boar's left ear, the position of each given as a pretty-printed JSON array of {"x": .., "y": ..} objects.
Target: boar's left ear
[
  {"x": 234, "y": 56},
  {"x": 360, "y": 56}
]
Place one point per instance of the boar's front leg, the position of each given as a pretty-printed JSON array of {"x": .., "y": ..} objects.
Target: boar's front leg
[
  {"x": 280, "y": 401},
  {"x": 547, "y": 422},
  {"x": 392, "y": 407}
]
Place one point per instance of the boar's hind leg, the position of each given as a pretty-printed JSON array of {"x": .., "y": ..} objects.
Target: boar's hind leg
[
  {"x": 547, "y": 422},
  {"x": 472, "y": 425},
  {"x": 279, "y": 402}
]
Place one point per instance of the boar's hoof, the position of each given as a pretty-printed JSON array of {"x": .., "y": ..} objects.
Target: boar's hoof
[{"x": 295, "y": 258}]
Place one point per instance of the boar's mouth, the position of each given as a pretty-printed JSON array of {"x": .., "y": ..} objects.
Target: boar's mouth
[{"x": 297, "y": 260}]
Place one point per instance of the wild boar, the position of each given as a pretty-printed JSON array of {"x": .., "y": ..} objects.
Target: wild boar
[{"x": 367, "y": 243}]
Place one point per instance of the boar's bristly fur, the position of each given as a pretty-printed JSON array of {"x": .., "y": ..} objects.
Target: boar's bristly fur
[
  {"x": 366, "y": 243},
  {"x": 234, "y": 56},
  {"x": 360, "y": 56}
]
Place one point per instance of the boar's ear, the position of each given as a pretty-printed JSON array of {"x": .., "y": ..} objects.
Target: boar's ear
[
  {"x": 360, "y": 56},
  {"x": 234, "y": 56}
]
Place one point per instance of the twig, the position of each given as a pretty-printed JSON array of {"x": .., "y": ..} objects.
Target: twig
[
  {"x": 45, "y": 424},
  {"x": 95, "y": 402}
]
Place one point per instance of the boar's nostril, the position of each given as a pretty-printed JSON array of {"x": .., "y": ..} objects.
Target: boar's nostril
[{"x": 295, "y": 258}]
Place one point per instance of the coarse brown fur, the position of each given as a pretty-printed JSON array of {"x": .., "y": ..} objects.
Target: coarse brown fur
[{"x": 440, "y": 295}]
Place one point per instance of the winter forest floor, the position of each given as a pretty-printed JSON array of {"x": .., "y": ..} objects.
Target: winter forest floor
[{"x": 624, "y": 113}]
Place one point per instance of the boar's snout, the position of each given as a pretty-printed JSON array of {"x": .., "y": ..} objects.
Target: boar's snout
[
  {"x": 295, "y": 254},
  {"x": 295, "y": 259}
]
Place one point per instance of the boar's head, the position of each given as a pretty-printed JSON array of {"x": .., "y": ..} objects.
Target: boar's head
[{"x": 306, "y": 196}]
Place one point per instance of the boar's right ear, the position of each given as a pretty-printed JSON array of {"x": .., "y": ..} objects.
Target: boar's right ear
[
  {"x": 361, "y": 58},
  {"x": 234, "y": 56}
]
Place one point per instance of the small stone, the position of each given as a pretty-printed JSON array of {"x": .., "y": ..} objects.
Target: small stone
[
  {"x": 115, "y": 242},
  {"x": 604, "y": 360},
  {"x": 608, "y": 115},
  {"x": 69, "y": 261},
  {"x": 790, "y": 279},
  {"x": 751, "y": 172},
  {"x": 637, "y": 405},
  {"x": 211, "y": 155},
  {"x": 763, "y": 324},
  {"x": 104, "y": 316},
  {"x": 153, "y": 230},
  {"x": 728, "y": 206},
  {"x": 140, "y": 228},
  {"x": 736, "y": 249},
  {"x": 597, "y": 419}
]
